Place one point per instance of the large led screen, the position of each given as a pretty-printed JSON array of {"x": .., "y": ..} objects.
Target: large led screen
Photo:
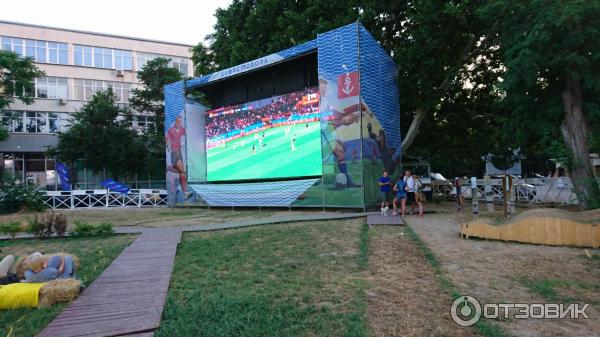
[{"x": 276, "y": 137}]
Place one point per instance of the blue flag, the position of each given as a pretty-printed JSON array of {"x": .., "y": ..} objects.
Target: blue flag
[
  {"x": 112, "y": 185},
  {"x": 63, "y": 174}
]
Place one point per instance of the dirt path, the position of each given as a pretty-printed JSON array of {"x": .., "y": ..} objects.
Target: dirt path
[
  {"x": 497, "y": 272},
  {"x": 405, "y": 298}
]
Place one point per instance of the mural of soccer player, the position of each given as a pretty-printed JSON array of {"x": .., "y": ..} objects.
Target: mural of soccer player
[
  {"x": 342, "y": 109},
  {"x": 173, "y": 142}
]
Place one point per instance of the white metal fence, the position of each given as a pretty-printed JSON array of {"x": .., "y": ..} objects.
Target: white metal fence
[
  {"x": 104, "y": 198},
  {"x": 530, "y": 190}
]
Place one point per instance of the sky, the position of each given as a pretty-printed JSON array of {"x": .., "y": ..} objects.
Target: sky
[{"x": 174, "y": 21}]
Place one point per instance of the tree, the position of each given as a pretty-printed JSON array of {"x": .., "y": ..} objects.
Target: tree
[
  {"x": 438, "y": 45},
  {"x": 17, "y": 75},
  {"x": 248, "y": 29},
  {"x": 150, "y": 98},
  {"x": 551, "y": 51},
  {"x": 203, "y": 59},
  {"x": 102, "y": 137}
]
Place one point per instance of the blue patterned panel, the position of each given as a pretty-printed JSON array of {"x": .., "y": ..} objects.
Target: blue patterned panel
[
  {"x": 174, "y": 102},
  {"x": 272, "y": 193},
  {"x": 337, "y": 53},
  {"x": 379, "y": 87}
]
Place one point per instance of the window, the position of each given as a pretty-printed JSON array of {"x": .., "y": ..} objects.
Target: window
[
  {"x": 39, "y": 51},
  {"x": 179, "y": 63},
  {"x": 12, "y": 44},
  {"x": 51, "y": 87},
  {"x": 36, "y": 50},
  {"x": 12, "y": 121},
  {"x": 57, "y": 53},
  {"x": 34, "y": 122},
  {"x": 123, "y": 59},
  {"x": 85, "y": 89},
  {"x": 83, "y": 56},
  {"x": 143, "y": 123},
  {"x": 99, "y": 57}
]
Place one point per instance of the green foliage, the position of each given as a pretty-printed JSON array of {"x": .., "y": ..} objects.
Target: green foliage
[
  {"x": 10, "y": 228},
  {"x": 83, "y": 229},
  {"x": 3, "y": 133},
  {"x": 150, "y": 98},
  {"x": 16, "y": 81},
  {"x": 15, "y": 196},
  {"x": 16, "y": 78},
  {"x": 203, "y": 59},
  {"x": 101, "y": 135},
  {"x": 247, "y": 29},
  {"x": 436, "y": 44},
  {"x": 549, "y": 49}
]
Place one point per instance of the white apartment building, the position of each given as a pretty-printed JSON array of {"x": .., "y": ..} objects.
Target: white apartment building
[{"x": 76, "y": 64}]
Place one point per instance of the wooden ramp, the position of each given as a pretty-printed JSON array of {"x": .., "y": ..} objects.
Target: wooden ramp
[
  {"x": 545, "y": 230},
  {"x": 127, "y": 299},
  {"x": 378, "y": 219}
]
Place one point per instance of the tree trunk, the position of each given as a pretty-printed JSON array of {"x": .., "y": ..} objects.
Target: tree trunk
[
  {"x": 574, "y": 130},
  {"x": 414, "y": 129}
]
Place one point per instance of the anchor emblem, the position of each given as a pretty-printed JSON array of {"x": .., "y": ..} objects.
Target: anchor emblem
[{"x": 348, "y": 88}]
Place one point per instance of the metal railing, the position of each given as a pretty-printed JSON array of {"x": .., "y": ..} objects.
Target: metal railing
[
  {"x": 104, "y": 198},
  {"x": 529, "y": 190}
]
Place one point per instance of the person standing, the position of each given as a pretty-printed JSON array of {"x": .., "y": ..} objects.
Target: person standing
[
  {"x": 410, "y": 190},
  {"x": 384, "y": 188},
  {"x": 419, "y": 195},
  {"x": 459, "y": 196},
  {"x": 400, "y": 189}
]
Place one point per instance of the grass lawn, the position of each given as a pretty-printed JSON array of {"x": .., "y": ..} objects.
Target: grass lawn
[
  {"x": 282, "y": 280},
  {"x": 155, "y": 217},
  {"x": 95, "y": 255}
]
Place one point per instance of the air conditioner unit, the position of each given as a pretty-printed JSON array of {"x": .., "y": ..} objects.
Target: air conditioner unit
[
  {"x": 119, "y": 72},
  {"x": 62, "y": 101}
]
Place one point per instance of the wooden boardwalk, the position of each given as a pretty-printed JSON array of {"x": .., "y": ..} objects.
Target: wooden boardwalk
[
  {"x": 378, "y": 219},
  {"x": 127, "y": 299}
]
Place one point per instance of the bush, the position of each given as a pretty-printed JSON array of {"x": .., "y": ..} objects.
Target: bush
[
  {"x": 16, "y": 196},
  {"x": 10, "y": 228},
  {"x": 83, "y": 229},
  {"x": 39, "y": 229},
  {"x": 56, "y": 221},
  {"x": 48, "y": 224}
]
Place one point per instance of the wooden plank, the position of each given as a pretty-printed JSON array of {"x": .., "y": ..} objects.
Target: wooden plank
[
  {"x": 128, "y": 297},
  {"x": 378, "y": 219},
  {"x": 539, "y": 230}
]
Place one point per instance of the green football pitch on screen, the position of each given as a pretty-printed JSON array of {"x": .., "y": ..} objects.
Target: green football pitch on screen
[{"x": 274, "y": 157}]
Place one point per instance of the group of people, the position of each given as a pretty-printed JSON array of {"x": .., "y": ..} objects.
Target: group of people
[
  {"x": 280, "y": 107},
  {"x": 406, "y": 189},
  {"x": 36, "y": 268}
]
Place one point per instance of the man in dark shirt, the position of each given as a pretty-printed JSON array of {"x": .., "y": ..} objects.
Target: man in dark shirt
[{"x": 384, "y": 188}]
